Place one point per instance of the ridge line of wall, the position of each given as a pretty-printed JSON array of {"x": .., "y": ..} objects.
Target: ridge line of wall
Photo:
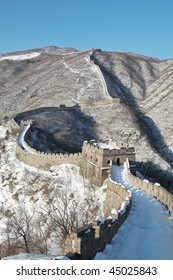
[
  {"x": 40, "y": 159},
  {"x": 106, "y": 93}
]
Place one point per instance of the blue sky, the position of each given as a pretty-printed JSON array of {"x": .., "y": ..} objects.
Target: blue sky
[{"x": 140, "y": 26}]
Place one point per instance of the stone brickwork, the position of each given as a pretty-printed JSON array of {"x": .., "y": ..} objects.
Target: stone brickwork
[
  {"x": 97, "y": 157},
  {"x": 94, "y": 161},
  {"x": 14, "y": 126},
  {"x": 45, "y": 161},
  {"x": 155, "y": 190},
  {"x": 87, "y": 242},
  {"x": 115, "y": 195},
  {"x": 104, "y": 102}
]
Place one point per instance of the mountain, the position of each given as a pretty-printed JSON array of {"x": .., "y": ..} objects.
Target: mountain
[{"x": 142, "y": 86}]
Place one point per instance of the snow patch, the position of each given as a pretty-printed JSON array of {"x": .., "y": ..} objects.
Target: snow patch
[
  {"x": 24, "y": 256},
  {"x": 20, "y": 56},
  {"x": 3, "y": 132},
  {"x": 157, "y": 184},
  {"x": 100, "y": 219},
  {"x": 114, "y": 211}
]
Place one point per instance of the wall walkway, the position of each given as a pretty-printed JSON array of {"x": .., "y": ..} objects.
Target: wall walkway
[
  {"x": 147, "y": 232},
  {"x": 155, "y": 190},
  {"x": 39, "y": 159}
]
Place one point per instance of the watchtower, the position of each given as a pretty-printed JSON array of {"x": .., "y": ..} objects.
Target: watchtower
[{"x": 97, "y": 156}]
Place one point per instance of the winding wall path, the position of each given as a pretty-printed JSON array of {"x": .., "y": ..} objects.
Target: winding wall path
[{"x": 147, "y": 232}]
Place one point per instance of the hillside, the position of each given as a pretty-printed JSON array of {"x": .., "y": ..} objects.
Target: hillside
[
  {"x": 53, "y": 76},
  {"x": 123, "y": 96}
]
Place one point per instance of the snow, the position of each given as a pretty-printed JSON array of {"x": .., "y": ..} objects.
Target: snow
[
  {"x": 21, "y": 136},
  {"x": 23, "y": 186},
  {"x": 3, "y": 132},
  {"x": 28, "y": 256},
  {"x": 107, "y": 146},
  {"x": 114, "y": 211},
  {"x": 100, "y": 219},
  {"x": 147, "y": 233},
  {"x": 61, "y": 258},
  {"x": 20, "y": 56},
  {"x": 124, "y": 205}
]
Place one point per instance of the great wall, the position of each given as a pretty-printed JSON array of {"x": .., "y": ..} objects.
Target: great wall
[{"x": 95, "y": 162}]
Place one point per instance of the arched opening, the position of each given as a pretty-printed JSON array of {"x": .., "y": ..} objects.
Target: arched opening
[
  {"x": 108, "y": 162},
  {"x": 118, "y": 161}
]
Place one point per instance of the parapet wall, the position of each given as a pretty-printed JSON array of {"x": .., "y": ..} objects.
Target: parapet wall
[
  {"x": 120, "y": 147},
  {"x": 116, "y": 194},
  {"x": 14, "y": 126},
  {"x": 155, "y": 190},
  {"x": 99, "y": 103},
  {"x": 45, "y": 161},
  {"x": 99, "y": 73},
  {"x": 37, "y": 158},
  {"x": 92, "y": 239}
]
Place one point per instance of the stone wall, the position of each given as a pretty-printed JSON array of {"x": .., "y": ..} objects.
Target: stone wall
[
  {"x": 44, "y": 160},
  {"x": 97, "y": 160},
  {"x": 39, "y": 159},
  {"x": 99, "y": 73},
  {"x": 115, "y": 195},
  {"x": 94, "y": 238},
  {"x": 14, "y": 126},
  {"x": 155, "y": 190},
  {"x": 87, "y": 242},
  {"x": 99, "y": 103}
]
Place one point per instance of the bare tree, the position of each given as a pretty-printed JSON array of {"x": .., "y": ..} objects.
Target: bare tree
[
  {"x": 24, "y": 232},
  {"x": 21, "y": 227},
  {"x": 67, "y": 212}
]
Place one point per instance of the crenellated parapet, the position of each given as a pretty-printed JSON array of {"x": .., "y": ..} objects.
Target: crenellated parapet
[
  {"x": 97, "y": 157},
  {"x": 108, "y": 147},
  {"x": 117, "y": 196},
  {"x": 40, "y": 159},
  {"x": 30, "y": 122},
  {"x": 153, "y": 189},
  {"x": 45, "y": 160},
  {"x": 91, "y": 239}
]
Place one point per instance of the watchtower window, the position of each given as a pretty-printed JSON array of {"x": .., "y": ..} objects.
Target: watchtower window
[
  {"x": 108, "y": 162},
  {"x": 96, "y": 160},
  {"x": 118, "y": 161}
]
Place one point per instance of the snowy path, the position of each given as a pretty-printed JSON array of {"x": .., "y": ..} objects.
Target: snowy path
[
  {"x": 100, "y": 74},
  {"x": 21, "y": 141},
  {"x": 146, "y": 234}
]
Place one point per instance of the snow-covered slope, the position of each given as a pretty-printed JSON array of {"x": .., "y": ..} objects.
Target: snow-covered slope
[
  {"x": 19, "y": 57},
  {"x": 26, "y": 192}
]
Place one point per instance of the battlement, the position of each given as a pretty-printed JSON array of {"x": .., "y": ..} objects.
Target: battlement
[
  {"x": 39, "y": 159},
  {"x": 93, "y": 238},
  {"x": 107, "y": 145},
  {"x": 153, "y": 189},
  {"x": 99, "y": 155},
  {"x": 94, "y": 161},
  {"x": 22, "y": 123}
]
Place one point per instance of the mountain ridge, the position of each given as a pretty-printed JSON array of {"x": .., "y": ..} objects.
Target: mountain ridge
[{"x": 66, "y": 76}]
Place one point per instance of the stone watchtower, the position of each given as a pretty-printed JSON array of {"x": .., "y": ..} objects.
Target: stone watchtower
[{"x": 97, "y": 157}]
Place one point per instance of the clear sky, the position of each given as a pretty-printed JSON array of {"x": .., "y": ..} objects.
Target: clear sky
[{"x": 140, "y": 26}]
